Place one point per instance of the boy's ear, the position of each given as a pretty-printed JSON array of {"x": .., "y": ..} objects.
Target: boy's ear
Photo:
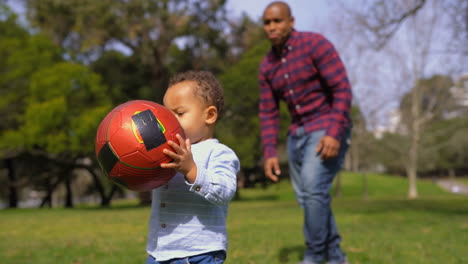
[{"x": 211, "y": 115}]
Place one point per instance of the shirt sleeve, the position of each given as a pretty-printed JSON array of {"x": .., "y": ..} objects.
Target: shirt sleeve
[
  {"x": 269, "y": 116},
  {"x": 217, "y": 182},
  {"x": 333, "y": 73}
]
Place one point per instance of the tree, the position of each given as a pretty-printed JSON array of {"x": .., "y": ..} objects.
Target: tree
[
  {"x": 125, "y": 77},
  {"x": 369, "y": 99},
  {"x": 43, "y": 108},
  {"x": 358, "y": 143},
  {"x": 408, "y": 33},
  {"x": 381, "y": 20},
  {"x": 146, "y": 29},
  {"x": 446, "y": 148},
  {"x": 158, "y": 38},
  {"x": 22, "y": 54},
  {"x": 427, "y": 103},
  {"x": 239, "y": 127},
  {"x": 65, "y": 105}
]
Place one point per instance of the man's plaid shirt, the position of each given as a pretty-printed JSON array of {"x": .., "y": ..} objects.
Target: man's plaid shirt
[{"x": 311, "y": 78}]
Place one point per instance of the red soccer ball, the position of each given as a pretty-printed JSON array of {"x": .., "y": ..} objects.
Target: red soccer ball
[{"x": 130, "y": 141}]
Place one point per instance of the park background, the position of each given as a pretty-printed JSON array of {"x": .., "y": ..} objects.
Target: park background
[{"x": 65, "y": 64}]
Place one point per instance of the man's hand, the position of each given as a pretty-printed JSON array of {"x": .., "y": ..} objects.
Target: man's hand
[
  {"x": 328, "y": 147},
  {"x": 272, "y": 169},
  {"x": 182, "y": 159}
]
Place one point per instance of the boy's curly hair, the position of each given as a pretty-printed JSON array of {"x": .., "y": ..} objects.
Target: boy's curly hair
[{"x": 207, "y": 87}]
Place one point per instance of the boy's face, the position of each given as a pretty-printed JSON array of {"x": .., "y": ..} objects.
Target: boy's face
[{"x": 190, "y": 110}]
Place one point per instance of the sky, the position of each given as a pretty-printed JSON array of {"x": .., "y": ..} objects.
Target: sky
[{"x": 308, "y": 14}]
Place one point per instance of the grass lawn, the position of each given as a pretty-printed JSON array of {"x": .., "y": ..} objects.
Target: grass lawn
[
  {"x": 265, "y": 226},
  {"x": 462, "y": 180}
]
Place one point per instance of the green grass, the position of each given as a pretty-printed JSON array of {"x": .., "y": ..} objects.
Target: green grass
[
  {"x": 265, "y": 227},
  {"x": 462, "y": 180}
]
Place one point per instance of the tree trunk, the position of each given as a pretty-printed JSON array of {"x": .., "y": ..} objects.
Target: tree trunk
[
  {"x": 412, "y": 178},
  {"x": 145, "y": 198},
  {"x": 411, "y": 170},
  {"x": 412, "y": 166},
  {"x": 68, "y": 192},
  {"x": 355, "y": 159},
  {"x": 159, "y": 76},
  {"x": 12, "y": 188},
  {"x": 348, "y": 162},
  {"x": 452, "y": 175},
  {"x": 338, "y": 185},
  {"x": 365, "y": 187},
  {"x": 47, "y": 200},
  {"x": 240, "y": 184},
  {"x": 106, "y": 200}
]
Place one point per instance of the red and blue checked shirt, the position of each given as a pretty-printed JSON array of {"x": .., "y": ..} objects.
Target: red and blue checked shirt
[{"x": 311, "y": 78}]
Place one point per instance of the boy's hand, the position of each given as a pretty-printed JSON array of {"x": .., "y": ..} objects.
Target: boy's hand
[{"x": 182, "y": 159}]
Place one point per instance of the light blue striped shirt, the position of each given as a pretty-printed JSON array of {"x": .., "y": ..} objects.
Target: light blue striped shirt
[{"x": 190, "y": 219}]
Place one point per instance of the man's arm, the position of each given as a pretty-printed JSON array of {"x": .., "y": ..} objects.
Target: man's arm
[
  {"x": 333, "y": 73},
  {"x": 269, "y": 127}
]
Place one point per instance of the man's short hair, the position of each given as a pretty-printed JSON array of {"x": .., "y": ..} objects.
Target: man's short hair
[{"x": 282, "y": 4}]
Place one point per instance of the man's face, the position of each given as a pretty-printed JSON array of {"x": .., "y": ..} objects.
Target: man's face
[{"x": 277, "y": 24}]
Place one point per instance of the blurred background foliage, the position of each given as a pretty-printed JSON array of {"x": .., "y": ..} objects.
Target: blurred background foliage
[{"x": 67, "y": 63}]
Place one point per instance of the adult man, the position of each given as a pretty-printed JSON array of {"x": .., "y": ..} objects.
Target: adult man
[{"x": 305, "y": 71}]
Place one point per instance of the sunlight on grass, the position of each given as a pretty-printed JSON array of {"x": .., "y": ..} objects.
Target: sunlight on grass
[{"x": 264, "y": 225}]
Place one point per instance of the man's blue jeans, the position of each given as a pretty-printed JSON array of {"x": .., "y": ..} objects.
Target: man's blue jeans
[
  {"x": 312, "y": 179},
  {"x": 216, "y": 257}
]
